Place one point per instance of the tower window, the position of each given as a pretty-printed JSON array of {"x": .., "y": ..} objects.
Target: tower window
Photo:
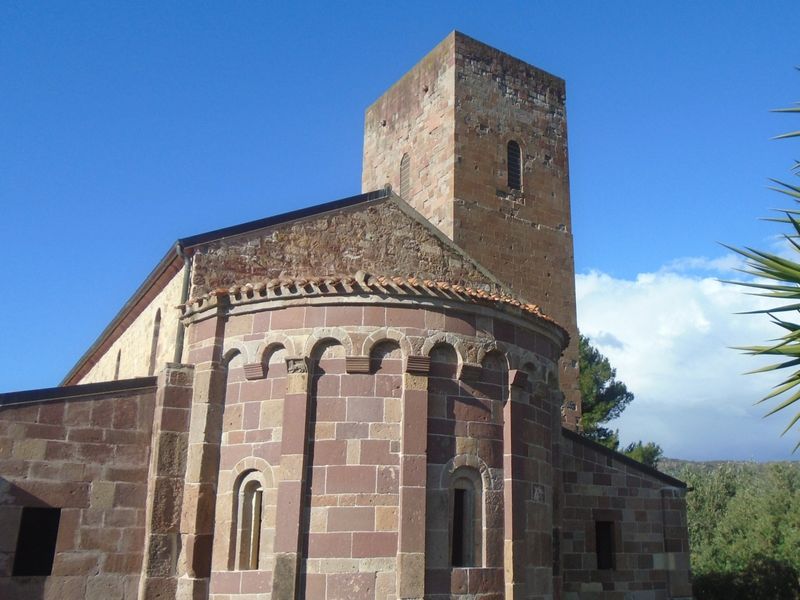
[
  {"x": 604, "y": 544},
  {"x": 251, "y": 496},
  {"x": 465, "y": 522},
  {"x": 405, "y": 176},
  {"x": 514, "y": 166},
  {"x": 36, "y": 543}
]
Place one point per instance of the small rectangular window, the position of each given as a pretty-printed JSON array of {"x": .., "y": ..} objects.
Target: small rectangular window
[
  {"x": 604, "y": 544},
  {"x": 36, "y": 543}
]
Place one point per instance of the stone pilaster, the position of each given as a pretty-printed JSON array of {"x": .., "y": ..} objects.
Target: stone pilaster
[
  {"x": 413, "y": 477},
  {"x": 165, "y": 482},
  {"x": 202, "y": 465},
  {"x": 291, "y": 487},
  {"x": 514, "y": 486}
]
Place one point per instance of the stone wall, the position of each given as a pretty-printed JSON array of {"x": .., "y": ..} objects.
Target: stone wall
[
  {"x": 87, "y": 455},
  {"x": 416, "y": 117},
  {"x": 648, "y": 512},
  {"x": 379, "y": 238},
  {"x": 454, "y": 114},
  {"x": 326, "y": 405},
  {"x": 134, "y": 346}
]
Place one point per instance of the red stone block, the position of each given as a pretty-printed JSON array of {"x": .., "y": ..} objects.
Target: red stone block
[
  {"x": 315, "y": 585},
  {"x": 459, "y": 323},
  {"x": 45, "y": 432},
  {"x": 367, "y": 545},
  {"x": 350, "y": 586},
  {"x": 352, "y": 431},
  {"x": 254, "y": 391},
  {"x": 414, "y": 470},
  {"x": 85, "y": 435},
  {"x": 291, "y": 317},
  {"x": 374, "y": 316},
  {"x": 351, "y": 519},
  {"x": 351, "y": 479},
  {"x": 359, "y": 386},
  {"x": 388, "y": 480},
  {"x": 226, "y": 582},
  {"x": 329, "y": 545},
  {"x": 405, "y": 317},
  {"x": 338, "y": 316},
  {"x": 251, "y": 415},
  {"x": 377, "y": 452},
  {"x": 364, "y": 410},
  {"x": 52, "y": 413},
  {"x": 175, "y": 419},
  {"x": 389, "y": 386},
  {"x": 256, "y": 582},
  {"x": 330, "y": 452},
  {"x": 470, "y": 409},
  {"x": 328, "y": 385},
  {"x": 330, "y": 408}
]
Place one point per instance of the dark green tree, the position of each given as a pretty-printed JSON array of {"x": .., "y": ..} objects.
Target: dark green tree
[
  {"x": 603, "y": 398},
  {"x": 648, "y": 454}
]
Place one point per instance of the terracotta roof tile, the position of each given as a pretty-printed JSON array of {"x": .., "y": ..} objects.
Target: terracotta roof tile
[{"x": 289, "y": 287}]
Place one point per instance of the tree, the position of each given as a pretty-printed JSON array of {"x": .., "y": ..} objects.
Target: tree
[
  {"x": 603, "y": 399},
  {"x": 648, "y": 454},
  {"x": 778, "y": 277}
]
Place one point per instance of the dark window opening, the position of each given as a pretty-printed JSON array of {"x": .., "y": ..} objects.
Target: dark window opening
[
  {"x": 405, "y": 176},
  {"x": 514, "y": 166},
  {"x": 459, "y": 528},
  {"x": 36, "y": 543},
  {"x": 604, "y": 544}
]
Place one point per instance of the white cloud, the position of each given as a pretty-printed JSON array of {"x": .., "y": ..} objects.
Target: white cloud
[{"x": 669, "y": 335}]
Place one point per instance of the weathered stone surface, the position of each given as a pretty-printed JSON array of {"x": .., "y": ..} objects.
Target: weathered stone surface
[{"x": 378, "y": 238}]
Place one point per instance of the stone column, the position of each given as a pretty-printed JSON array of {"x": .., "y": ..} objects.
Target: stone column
[
  {"x": 165, "y": 482},
  {"x": 413, "y": 478},
  {"x": 202, "y": 465},
  {"x": 291, "y": 487},
  {"x": 514, "y": 485}
]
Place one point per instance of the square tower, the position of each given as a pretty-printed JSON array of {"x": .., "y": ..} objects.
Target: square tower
[{"x": 476, "y": 141}]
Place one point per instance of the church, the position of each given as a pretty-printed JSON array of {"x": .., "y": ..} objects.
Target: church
[{"x": 374, "y": 398}]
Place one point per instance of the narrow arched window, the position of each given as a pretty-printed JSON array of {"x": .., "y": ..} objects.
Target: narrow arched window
[
  {"x": 154, "y": 343},
  {"x": 250, "y": 501},
  {"x": 514, "y": 166},
  {"x": 405, "y": 176},
  {"x": 116, "y": 366},
  {"x": 466, "y": 530}
]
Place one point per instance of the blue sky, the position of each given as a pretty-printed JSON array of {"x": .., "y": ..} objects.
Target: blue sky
[{"x": 124, "y": 126}]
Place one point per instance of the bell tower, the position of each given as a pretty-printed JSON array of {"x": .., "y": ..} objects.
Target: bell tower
[{"x": 476, "y": 141}]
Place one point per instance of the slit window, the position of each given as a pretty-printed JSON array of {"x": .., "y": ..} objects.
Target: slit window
[
  {"x": 405, "y": 176},
  {"x": 116, "y": 366},
  {"x": 36, "y": 542},
  {"x": 465, "y": 523},
  {"x": 514, "y": 166},
  {"x": 154, "y": 342},
  {"x": 604, "y": 544}
]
